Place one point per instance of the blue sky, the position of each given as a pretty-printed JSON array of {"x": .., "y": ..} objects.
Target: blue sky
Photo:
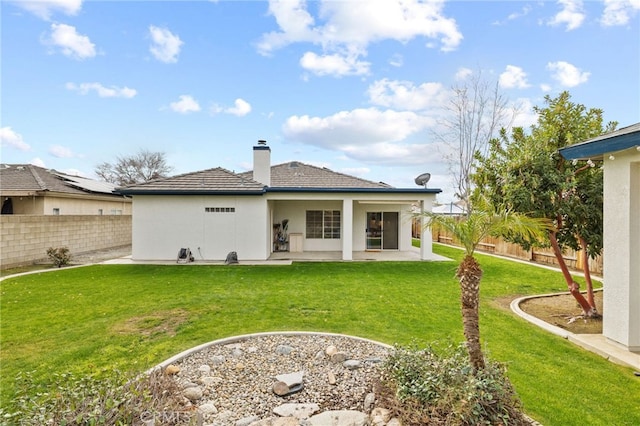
[{"x": 355, "y": 86}]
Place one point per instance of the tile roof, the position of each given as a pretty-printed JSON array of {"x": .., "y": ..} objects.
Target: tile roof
[
  {"x": 286, "y": 177},
  {"x": 29, "y": 179},
  {"x": 299, "y": 175},
  {"x": 216, "y": 180}
]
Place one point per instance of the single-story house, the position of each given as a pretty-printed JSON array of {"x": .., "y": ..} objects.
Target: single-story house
[
  {"x": 620, "y": 153},
  {"x": 293, "y": 207},
  {"x": 26, "y": 189}
]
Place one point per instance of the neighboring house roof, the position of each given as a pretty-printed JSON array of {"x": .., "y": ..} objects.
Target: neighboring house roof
[
  {"x": 286, "y": 177},
  {"x": 27, "y": 180},
  {"x": 619, "y": 140}
]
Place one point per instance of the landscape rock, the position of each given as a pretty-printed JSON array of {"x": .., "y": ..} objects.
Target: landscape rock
[
  {"x": 331, "y": 349},
  {"x": 338, "y": 357},
  {"x": 299, "y": 411},
  {"x": 284, "y": 349},
  {"x": 207, "y": 408},
  {"x": 369, "y": 400},
  {"x": 193, "y": 393},
  {"x": 172, "y": 369},
  {"x": 352, "y": 364},
  {"x": 291, "y": 379},
  {"x": 339, "y": 418}
]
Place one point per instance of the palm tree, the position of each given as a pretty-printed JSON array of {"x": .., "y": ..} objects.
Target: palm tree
[{"x": 482, "y": 221}]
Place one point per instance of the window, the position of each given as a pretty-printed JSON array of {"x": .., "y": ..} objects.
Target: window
[
  {"x": 116, "y": 212},
  {"x": 56, "y": 211},
  {"x": 323, "y": 224},
  {"x": 100, "y": 212},
  {"x": 220, "y": 209}
]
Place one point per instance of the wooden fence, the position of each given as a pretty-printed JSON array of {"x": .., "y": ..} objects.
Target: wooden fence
[{"x": 500, "y": 247}]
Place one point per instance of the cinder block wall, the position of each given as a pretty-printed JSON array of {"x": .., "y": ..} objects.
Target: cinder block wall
[{"x": 26, "y": 238}]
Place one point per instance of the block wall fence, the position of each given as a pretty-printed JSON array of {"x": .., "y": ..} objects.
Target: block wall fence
[{"x": 26, "y": 238}]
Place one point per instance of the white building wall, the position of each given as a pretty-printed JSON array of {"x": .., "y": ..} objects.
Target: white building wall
[
  {"x": 621, "y": 321},
  {"x": 164, "y": 224}
]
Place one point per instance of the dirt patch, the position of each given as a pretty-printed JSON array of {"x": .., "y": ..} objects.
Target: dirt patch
[
  {"x": 565, "y": 312},
  {"x": 165, "y": 322}
]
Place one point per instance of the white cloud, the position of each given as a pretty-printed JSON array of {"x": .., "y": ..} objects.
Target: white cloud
[
  {"x": 165, "y": 46},
  {"x": 37, "y": 161},
  {"x": 566, "y": 74},
  {"x": 240, "y": 108},
  {"x": 334, "y": 64},
  {"x": 102, "y": 91},
  {"x": 10, "y": 139},
  {"x": 513, "y": 77},
  {"x": 60, "y": 151},
  {"x": 347, "y": 30},
  {"x": 45, "y": 8},
  {"x": 545, "y": 87},
  {"x": 463, "y": 73},
  {"x": 72, "y": 44},
  {"x": 571, "y": 15},
  {"x": 405, "y": 95},
  {"x": 185, "y": 105},
  {"x": 619, "y": 12},
  {"x": 396, "y": 60},
  {"x": 353, "y": 134}
]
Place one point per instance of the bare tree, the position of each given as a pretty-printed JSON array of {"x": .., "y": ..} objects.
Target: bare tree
[
  {"x": 474, "y": 114},
  {"x": 141, "y": 167}
]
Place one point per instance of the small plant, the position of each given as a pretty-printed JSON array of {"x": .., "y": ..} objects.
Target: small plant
[
  {"x": 427, "y": 387},
  {"x": 60, "y": 256},
  {"x": 118, "y": 399}
]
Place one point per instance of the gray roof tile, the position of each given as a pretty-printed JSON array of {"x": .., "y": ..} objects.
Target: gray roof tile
[
  {"x": 205, "y": 181},
  {"x": 300, "y": 175}
]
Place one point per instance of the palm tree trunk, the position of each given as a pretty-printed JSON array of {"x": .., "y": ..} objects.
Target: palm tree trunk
[{"x": 469, "y": 274}]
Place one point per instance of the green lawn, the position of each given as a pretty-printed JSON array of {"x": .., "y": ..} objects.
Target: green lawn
[{"x": 97, "y": 318}]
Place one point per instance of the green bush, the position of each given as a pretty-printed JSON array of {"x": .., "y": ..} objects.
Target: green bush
[
  {"x": 440, "y": 387},
  {"x": 115, "y": 400},
  {"x": 60, "y": 256}
]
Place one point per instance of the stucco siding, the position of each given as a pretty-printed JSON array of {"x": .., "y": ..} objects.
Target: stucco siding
[
  {"x": 210, "y": 226},
  {"x": 622, "y": 248}
]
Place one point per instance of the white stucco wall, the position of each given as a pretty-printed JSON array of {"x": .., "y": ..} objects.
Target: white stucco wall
[
  {"x": 622, "y": 248},
  {"x": 164, "y": 224}
]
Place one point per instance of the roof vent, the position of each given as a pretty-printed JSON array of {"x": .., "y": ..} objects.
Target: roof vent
[
  {"x": 294, "y": 165},
  {"x": 262, "y": 142}
]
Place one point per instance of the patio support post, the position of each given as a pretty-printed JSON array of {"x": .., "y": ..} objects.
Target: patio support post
[
  {"x": 347, "y": 229},
  {"x": 425, "y": 235}
]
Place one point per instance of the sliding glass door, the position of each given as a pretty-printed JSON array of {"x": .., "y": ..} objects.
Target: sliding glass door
[{"x": 382, "y": 231}]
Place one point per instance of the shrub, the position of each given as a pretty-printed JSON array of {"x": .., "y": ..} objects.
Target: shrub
[
  {"x": 60, "y": 256},
  {"x": 430, "y": 387},
  {"x": 118, "y": 399}
]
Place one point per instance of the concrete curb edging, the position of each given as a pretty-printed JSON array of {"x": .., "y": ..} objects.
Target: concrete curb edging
[{"x": 595, "y": 343}]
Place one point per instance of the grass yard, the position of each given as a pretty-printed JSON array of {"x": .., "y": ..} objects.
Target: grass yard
[{"x": 97, "y": 318}]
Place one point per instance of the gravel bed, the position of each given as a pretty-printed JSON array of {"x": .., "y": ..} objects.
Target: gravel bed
[{"x": 237, "y": 378}]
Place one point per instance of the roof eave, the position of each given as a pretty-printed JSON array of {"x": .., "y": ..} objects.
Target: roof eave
[
  {"x": 132, "y": 192},
  {"x": 595, "y": 149},
  {"x": 357, "y": 190}
]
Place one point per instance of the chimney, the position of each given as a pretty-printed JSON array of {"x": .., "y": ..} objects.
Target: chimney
[{"x": 262, "y": 163}]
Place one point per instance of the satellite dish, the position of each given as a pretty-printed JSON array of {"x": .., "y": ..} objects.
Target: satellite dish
[{"x": 423, "y": 179}]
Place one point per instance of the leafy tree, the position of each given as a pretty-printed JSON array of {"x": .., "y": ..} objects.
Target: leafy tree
[
  {"x": 525, "y": 173},
  {"x": 474, "y": 113},
  {"x": 138, "y": 168},
  {"x": 482, "y": 221}
]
